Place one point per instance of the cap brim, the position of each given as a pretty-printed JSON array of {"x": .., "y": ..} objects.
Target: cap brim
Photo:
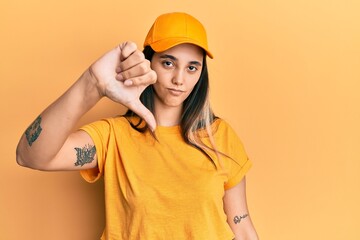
[{"x": 166, "y": 44}]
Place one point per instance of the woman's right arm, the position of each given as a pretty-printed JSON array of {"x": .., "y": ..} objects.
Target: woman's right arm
[{"x": 49, "y": 143}]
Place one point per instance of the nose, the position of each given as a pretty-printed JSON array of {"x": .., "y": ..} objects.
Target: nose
[{"x": 178, "y": 78}]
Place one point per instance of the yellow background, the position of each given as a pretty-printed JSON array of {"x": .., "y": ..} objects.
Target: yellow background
[{"x": 286, "y": 75}]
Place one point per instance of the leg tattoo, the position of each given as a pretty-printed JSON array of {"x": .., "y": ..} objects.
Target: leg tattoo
[
  {"x": 85, "y": 155},
  {"x": 33, "y": 131}
]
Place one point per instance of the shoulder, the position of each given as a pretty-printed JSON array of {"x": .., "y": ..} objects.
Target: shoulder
[
  {"x": 221, "y": 126},
  {"x": 112, "y": 124},
  {"x": 224, "y": 133}
]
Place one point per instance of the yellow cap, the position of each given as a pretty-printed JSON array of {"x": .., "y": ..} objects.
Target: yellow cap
[{"x": 172, "y": 29}]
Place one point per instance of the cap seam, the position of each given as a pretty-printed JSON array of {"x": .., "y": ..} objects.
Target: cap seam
[{"x": 175, "y": 38}]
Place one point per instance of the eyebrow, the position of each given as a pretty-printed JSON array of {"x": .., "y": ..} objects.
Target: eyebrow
[{"x": 175, "y": 59}]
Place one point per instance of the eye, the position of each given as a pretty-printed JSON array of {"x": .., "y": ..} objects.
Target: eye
[
  {"x": 192, "y": 68},
  {"x": 167, "y": 64}
]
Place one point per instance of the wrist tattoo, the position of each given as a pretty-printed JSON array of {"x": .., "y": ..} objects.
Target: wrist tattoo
[
  {"x": 85, "y": 155},
  {"x": 33, "y": 131},
  {"x": 237, "y": 219}
]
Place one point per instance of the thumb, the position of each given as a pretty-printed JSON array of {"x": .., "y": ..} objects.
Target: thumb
[
  {"x": 126, "y": 49},
  {"x": 144, "y": 113}
]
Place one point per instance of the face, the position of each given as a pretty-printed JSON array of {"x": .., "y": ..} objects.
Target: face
[{"x": 178, "y": 70}]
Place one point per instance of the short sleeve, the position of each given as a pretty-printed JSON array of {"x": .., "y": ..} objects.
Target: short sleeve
[
  {"x": 238, "y": 163},
  {"x": 237, "y": 173},
  {"x": 99, "y": 131}
]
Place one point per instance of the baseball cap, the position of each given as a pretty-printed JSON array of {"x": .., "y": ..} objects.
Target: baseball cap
[{"x": 172, "y": 29}]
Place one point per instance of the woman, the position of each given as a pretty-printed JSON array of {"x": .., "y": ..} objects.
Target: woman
[{"x": 171, "y": 169}]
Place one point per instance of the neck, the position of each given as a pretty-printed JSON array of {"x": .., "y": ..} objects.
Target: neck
[{"x": 167, "y": 116}]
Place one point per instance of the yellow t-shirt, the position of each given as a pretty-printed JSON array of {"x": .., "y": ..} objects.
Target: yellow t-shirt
[{"x": 164, "y": 189}]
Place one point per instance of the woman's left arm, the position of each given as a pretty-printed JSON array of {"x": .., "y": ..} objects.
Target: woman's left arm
[{"x": 237, "y": 212}]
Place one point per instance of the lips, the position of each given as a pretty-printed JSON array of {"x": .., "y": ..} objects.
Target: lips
[{"x": 175, "y": 92}]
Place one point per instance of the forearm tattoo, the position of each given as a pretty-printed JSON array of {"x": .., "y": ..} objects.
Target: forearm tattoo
[
  {"x": 85, "y": 155},
  {"x": 33, "y": 131},
  {"x": 237, "y": 219}
]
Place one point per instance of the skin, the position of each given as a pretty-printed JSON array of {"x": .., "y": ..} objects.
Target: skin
[
  {"x": 121, "y": 75},
  {"x": 235, "y": 206},
  {"x": 178, "y": 70}
]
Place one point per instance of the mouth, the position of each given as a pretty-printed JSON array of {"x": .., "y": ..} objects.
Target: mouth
[{"x": 175, "y": 92}]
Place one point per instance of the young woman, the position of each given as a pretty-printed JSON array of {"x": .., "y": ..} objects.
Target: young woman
[{"x": 172, "y": 170}]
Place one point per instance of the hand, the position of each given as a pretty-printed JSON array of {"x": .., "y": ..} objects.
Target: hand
[{"x": 122, "y": 74}]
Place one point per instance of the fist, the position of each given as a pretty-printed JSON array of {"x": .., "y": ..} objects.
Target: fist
[{"x": 122, "y": 74}]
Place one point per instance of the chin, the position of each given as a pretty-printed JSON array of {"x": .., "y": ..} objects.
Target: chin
[{"x": 174, "y": 103}]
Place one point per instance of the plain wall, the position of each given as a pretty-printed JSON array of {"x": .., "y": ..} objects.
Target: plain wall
[{"x": 286, "y": 75}]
